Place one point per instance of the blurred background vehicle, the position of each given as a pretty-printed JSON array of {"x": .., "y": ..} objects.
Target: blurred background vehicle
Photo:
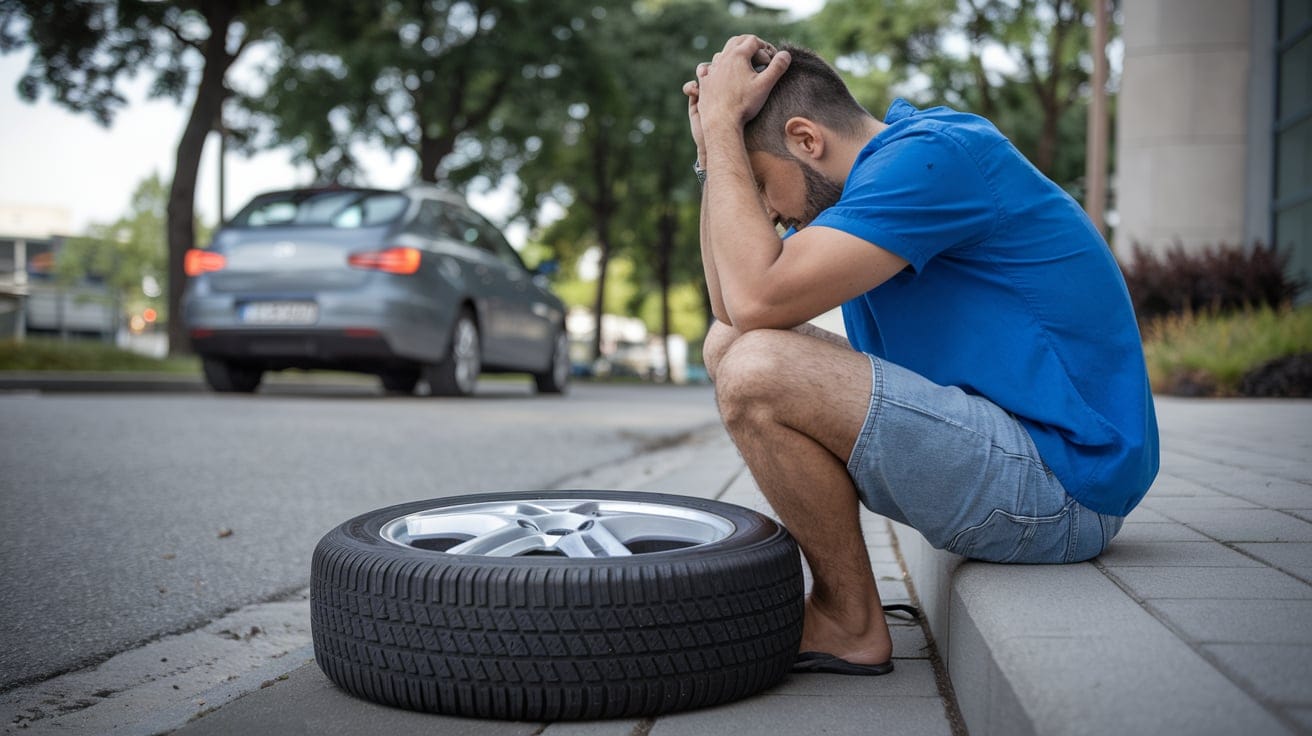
[{"x": 410, "y": 285}]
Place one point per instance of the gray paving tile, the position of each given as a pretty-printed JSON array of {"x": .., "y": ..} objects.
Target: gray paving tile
[
  {"x": 1279, "y": 494},
  {"x": 1302, "y": 716},
  {"x": 1292, "y": 557},
  {"x": 1173, "y": 554},
  {"x": 1145, "y": 515},
  {"x": 1210, "y": 583},
  {"x": 592, "y": 728},
  {"x": 1168, "y": 532},
  {"x": 1169, "y": 504},
  {"x": 909, "y": 642},
  {"x": 1169, "y": 485},
  {"x": 861, "y": 715},
  {"x": 1245, "y": 525},
  {"x": 1238, "y": 621},
  {"x": 1280, "y": 673},
  {"x": 893, "y": 591}
]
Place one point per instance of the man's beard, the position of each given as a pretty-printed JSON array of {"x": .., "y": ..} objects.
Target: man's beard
[{"x": 821, "y": 194}]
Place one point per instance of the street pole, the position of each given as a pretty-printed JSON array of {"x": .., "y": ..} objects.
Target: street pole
[{"x": 1095, "y": 157}]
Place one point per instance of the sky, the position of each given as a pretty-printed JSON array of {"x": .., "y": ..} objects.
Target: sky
[{"x": 52, "y": 157}]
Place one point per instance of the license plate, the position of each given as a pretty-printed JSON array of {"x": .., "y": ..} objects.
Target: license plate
[{"x": 280, "y": 313}]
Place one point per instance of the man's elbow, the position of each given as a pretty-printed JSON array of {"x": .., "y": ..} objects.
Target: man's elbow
[{"x": 757, "y": 314}]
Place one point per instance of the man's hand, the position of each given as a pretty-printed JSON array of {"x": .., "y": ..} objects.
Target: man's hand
[
  {"x": 729, "y": 89},
  {"x": 694, "y": 119}
]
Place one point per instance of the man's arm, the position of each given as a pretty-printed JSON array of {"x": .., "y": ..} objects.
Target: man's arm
[
  {"x": 708, "y": 257},
  {"x": 765, "y": 282}
]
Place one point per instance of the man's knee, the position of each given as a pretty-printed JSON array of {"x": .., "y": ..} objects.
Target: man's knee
[
  {"x": 748, "y": 373},
  {"x": 716, "y": 345}
]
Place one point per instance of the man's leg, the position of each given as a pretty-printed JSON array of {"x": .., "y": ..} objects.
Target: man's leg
[{"x": 794, "y": 404}]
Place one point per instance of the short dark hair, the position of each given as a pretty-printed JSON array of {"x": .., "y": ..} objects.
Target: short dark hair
[{"x": 811, "y": 89}]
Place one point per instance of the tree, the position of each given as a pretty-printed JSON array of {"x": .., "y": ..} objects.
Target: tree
[
  {"x": 436, "y": 78},
  {"x": 82, "y": 49},
  {"x": 935, "y": 50},
  {"x": 126, "y": 252}
]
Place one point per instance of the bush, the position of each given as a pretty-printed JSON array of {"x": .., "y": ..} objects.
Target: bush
[
  {"x": 1213, "y": 279},
  {"x": 1256, "y": 352}
]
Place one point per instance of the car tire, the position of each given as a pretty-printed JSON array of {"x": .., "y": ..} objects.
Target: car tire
[
  {"x": 457, "y": 374},
  {"x": 400, "y": 382},
  {"x": 555, "y": 380},
  {"x": 544, "y": 638},
  {"x": 226, "y": 377}
]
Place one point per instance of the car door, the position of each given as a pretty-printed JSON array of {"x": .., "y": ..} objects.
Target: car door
[
  {"x": 494, "y": 288},
  {"x": 530, "y": 320}
]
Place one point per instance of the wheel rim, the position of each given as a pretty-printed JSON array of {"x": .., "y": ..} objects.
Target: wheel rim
[
  {"x": 465, "y": 347},
  {"x": 571, "y": 527},
  {"x": 560, "y": 370}
]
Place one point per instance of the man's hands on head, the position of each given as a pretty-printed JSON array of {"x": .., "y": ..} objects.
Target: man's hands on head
[{"x": 729, "y": 91}]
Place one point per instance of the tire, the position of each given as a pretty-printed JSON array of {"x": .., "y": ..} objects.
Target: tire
[
  {"x": 555, "y": 380},
  {"x": 457, "y": 374},
  {"x": 546, "y": 637},
  {"x": 226, "y": 377},
  {"x": 400, "y": 381}
]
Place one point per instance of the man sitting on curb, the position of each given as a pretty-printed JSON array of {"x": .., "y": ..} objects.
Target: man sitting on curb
[{"x": 991, "y": 392}]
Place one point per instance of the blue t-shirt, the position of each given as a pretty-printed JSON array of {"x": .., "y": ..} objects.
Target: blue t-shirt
[{"x": 1010, "y": 294}]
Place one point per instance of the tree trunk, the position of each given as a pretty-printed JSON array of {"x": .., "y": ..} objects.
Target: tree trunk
[
  {"x": 181, "y": 227},
  {"x": 664, "y": 249},
  {"x": 431, "y": 152},
  {"x": 603, "y": 265}
]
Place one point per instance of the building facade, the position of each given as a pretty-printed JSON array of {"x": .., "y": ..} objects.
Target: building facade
[{"x": 1214, "y": 125}]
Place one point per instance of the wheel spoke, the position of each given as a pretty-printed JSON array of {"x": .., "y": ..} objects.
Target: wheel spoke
[
  {"x": 507, "y": 542},
  {"x": 599, "y": 538}
]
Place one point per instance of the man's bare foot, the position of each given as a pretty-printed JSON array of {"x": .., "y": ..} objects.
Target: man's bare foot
[{"x": 867, "y": 643}]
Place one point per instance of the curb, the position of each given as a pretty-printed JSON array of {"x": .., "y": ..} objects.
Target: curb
[{"x": 74, "y": 382}]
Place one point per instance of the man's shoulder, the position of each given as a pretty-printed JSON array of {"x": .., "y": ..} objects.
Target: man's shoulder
[{"x": 935, "y": 126}]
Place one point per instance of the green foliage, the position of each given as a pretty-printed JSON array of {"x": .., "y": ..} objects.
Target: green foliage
[
  {"x": 933, "y": 52},
  {"x": 1209, "y": 353},
  {"x": 83, "y": 355},
  {"x": 126, "y": 252}
]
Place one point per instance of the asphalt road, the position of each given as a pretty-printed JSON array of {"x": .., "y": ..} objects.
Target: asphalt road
[{"x": 125, "y": 517}]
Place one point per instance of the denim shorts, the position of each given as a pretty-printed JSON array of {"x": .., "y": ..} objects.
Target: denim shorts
[{"x": 965, "y": 474}]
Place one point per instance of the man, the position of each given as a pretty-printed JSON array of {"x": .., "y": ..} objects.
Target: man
[{"x": 991, "y": 391}]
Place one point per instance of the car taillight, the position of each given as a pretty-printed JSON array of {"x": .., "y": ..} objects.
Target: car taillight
[
  {"x": 198, "y": 262},
  {"x": 392, "y": 260}
]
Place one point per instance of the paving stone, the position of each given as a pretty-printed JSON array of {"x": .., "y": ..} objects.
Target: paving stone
[
  {"x": 1168, "y": 532},
  {"x": 1173, "y": 554},
  {"x": 1144, "y": 515},
  {"x": 1303, "y": 716},
  {"x": 893, "y": 591},
  {"x": 1062, "y": 650},
  {"x": 1210, "y": 582},
  {"x": 1238, "y": 621},
  {"x": 592, "y": 728},
  {"x": 1292, "y": 557},
  {"x": 1244, "y": 525},
  {"x": 1169, "y": 485},
  {"x": 1279, "y": 494},
  {"x": 851, "y": 715},
  {"x": 909, "y": 642},
  {"x": 1280, "y": 673},
  {"x": 1169, "y": 504}
]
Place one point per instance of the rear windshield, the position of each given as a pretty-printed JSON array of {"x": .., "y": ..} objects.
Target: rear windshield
[{"x": 344, "y": 209}]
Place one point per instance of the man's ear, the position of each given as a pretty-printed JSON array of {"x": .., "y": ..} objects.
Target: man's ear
[{"x": 805, "y": 138}]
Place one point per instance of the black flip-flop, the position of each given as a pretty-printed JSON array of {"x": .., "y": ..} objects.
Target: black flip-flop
[{"x": 819, "y": 662}]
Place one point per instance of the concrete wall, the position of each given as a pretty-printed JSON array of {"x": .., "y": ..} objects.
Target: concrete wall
[{"x": 1182, "y": 126}]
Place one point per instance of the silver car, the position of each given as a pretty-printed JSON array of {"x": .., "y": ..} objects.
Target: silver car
[{"x": 409, "y": 285}]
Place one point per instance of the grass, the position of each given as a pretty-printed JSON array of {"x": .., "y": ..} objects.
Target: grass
[
  {"x": 93, "y": 356},
  {"x": 1211, "y": 352}
]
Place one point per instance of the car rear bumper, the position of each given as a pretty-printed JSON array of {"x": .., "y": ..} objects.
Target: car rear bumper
[
  {"x": 349, "y": 349},
  {"x": 350, "y": 330}
]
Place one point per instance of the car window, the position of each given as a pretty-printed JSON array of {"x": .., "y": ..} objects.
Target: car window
[{"x": 340, "y": 209}]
